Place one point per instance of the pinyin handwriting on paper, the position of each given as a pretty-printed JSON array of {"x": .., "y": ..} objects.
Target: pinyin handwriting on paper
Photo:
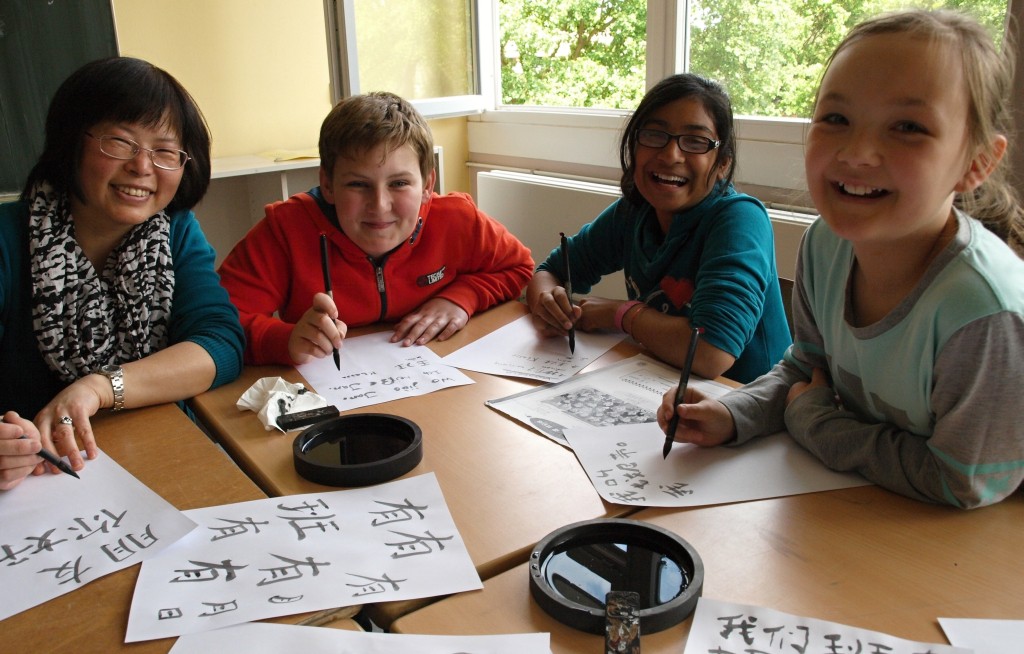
[
  {"x": 60, "y": 533},
  {"x": 299, "y": 553},
  {"x": 625, "y": 465},
  {"x": 374, "y": 370},
  {"x": 726, "y": 628},
  {"x": 519, "y": 350}
]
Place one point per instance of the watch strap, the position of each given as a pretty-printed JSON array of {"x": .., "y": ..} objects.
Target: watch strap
[{"x": 116, "y": 376}]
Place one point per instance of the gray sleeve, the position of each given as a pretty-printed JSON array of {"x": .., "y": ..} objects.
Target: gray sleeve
[
  {"x": 758, "y": 408},
  {"x": 975, "y": 454}
]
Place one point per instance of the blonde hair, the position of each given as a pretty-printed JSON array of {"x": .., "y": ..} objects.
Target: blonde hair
[{"x": 988, "y": 75}]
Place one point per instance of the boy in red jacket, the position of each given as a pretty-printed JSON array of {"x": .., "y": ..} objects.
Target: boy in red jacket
[{"x": 397, "y": 251}]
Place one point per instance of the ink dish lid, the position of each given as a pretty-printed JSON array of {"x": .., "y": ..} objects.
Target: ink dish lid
[
  {"x": 573, "y": 568},
  {"x": 360, "y": 449}
]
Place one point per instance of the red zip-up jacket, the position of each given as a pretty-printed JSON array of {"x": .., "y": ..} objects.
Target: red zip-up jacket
[{"x": 456, "y": 252}]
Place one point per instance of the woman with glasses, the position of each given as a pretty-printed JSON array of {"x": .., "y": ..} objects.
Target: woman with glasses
[
  {"x": 692, "y": 248},
  {"x": 108, "y": 295}
]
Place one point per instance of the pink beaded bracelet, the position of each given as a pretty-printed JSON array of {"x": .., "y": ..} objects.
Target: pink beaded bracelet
[{"x": 621, "y": 312}]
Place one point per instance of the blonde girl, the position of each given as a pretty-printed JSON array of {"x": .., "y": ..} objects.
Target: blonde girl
[{"x": 909, "y": 303}]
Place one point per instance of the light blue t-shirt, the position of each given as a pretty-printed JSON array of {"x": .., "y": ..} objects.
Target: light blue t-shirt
[{"x": 929, "y": 394}]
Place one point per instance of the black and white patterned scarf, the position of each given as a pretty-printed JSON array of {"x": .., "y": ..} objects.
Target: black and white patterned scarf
[{"x": 84, "y": 318}]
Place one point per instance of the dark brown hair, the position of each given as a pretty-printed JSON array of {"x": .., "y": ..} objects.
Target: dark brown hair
[{"x": 121, "y": 90}]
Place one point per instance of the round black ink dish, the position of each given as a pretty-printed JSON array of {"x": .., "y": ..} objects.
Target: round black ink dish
[
  {"x": 573, "y": 568},
  {"x": 361, "y": 449}
]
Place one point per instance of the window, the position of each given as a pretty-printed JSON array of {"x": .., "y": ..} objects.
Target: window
[
  {"x": 577, "y": 53},
  {"x": 425, "y": 51},
  {"x": 769, "y": 53},
  {"x": 548, "y": 83}
]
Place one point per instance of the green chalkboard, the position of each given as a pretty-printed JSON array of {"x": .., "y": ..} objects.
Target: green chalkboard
[{"x": 41, "y": 43}]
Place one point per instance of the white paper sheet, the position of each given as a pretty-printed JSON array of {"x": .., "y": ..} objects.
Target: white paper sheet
[
  {"x": 518, "y": 350},
  {"x": 375, "y": 371},
  {"x": 626, "y": 467},
  {"x": 297, "y": 553},
  {"x": 58, "y": 533},
  {"x": 726, "y": 627},
  {"x": 985, "y": 636},
  {"x": 627, "y": 392},
  {"x": 264, "y": 638}
]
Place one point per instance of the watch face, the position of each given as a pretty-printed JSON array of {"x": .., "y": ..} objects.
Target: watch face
[{"x": 111, "y": 370}]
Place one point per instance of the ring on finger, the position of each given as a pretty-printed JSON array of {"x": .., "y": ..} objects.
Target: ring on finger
[{"x": 66, "y": 420}]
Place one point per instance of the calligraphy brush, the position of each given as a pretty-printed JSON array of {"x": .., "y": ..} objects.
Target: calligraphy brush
[
  {"x": 568, "y": 288},
  {"x": 327, "y": 285},
  {"x": 684, "y": 379},
  {"x": 53, "y": 459}
]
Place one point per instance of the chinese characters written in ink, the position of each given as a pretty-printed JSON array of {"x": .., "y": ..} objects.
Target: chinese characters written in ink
[
  {"x": 627, "y": 483},
  {"x": 725, "y": 628},
  {"x": 292, "y": 554},
  {"x": 79, "y": 541}
]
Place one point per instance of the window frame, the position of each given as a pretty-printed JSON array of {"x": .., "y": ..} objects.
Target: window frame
[
  {"x": 343, "y": 61},
  {"x": 562, "y": 140}
]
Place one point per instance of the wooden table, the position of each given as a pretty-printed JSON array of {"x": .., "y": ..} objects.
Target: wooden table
[
  {"x": 163, "y": 449},
  {"x": 506, "y": 486},
  {"x": 861, "y": 556}
]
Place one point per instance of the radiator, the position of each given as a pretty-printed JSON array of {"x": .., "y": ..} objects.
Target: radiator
[{"x": 536, "y": 208}]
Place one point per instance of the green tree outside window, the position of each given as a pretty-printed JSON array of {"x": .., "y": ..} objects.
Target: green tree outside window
[{"x": 768, "y": 53}]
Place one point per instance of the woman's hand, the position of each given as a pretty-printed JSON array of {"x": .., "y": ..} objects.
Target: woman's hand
[
  {"x": 64, "y": 422},
  {"x": 703, "y": 420},
  {"x": 317, "y": 332},
  {"x": 436, "y": 318},
  {"x": 18, "y": 456}
]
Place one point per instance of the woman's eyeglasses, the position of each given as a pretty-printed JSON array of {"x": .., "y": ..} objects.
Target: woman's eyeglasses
[
  {"x": 655, "y": 138},
  {"x": 122, "y": 148}
]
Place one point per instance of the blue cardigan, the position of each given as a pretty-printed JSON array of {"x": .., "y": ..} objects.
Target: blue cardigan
[
  {"x": 201, "y": 311},
  {"x": 716, "y": 266}
]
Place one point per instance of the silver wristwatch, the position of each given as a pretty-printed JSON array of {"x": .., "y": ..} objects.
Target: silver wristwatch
[{"x": 116, "y": 376}]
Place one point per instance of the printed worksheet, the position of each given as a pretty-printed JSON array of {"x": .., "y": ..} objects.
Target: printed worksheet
[
  {"x": 726, "y": 627},
  {"x": 298, "y": 553},
  {"x": 265, "y": 638},
  {"x": 374, "y": 371},
  {"x": 518, "y": 350},
  {"x": 58, "y": 533},
  {"x": 625, "y": 465},
  {"x": 624, "y": 393}
]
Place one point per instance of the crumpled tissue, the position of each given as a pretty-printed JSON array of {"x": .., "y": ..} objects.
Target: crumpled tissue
[{"x": 271, "y": 397}]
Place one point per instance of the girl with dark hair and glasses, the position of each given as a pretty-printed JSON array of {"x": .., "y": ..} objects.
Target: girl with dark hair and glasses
[
  {"x": 691, "y": 247},
  {"x": 108, "y": 294}
]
